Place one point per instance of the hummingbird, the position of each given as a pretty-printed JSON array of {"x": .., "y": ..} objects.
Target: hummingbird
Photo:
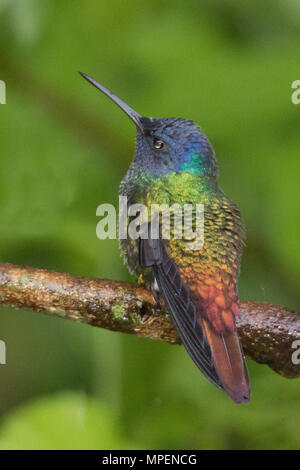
[{"x": 174, "y": 163}]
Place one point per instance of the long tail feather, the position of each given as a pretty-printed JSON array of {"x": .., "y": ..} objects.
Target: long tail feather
[{"x": 229, "y": 362}]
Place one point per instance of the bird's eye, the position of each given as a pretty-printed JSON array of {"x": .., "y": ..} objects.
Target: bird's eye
[{"x": 158, "y": 143}]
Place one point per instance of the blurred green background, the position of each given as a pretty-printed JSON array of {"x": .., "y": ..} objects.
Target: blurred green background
[{"x": 228, "y": 65}]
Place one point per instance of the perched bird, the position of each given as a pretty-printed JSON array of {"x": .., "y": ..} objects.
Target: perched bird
[{"x": 174, "y": 163}]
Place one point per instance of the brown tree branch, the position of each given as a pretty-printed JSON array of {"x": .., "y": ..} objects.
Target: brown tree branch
[{"x": 267, "y": 331}]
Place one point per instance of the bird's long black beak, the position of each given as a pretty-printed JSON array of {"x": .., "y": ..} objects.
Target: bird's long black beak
[{"x": 134, "y": 116}]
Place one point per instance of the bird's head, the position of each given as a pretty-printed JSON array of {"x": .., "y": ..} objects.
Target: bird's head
[{"x": 167, "y": 145}]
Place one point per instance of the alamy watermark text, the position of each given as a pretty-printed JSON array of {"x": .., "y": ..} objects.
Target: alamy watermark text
[
  {"x": 157, "y": 221},
  {"x": 2, "y": 92}
]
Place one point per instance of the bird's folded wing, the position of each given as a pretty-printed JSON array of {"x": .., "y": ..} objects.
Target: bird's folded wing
[{"x": 152, "y": 253}]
